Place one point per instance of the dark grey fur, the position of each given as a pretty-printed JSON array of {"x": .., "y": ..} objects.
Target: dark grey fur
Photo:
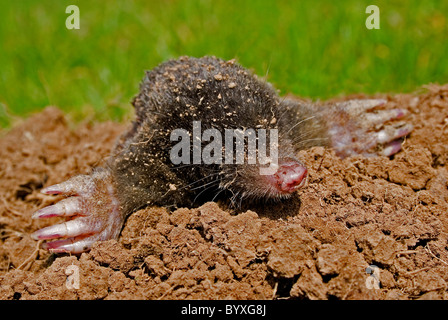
[{"x": 222, "y": 95}]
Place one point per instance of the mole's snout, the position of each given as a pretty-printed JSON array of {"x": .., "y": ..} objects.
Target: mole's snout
[{"x": 290, "y": 176}]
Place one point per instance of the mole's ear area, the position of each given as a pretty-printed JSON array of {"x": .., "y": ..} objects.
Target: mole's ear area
[{"x": 365, "y": 127}]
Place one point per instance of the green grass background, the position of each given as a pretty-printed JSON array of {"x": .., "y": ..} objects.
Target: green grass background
[{"x": 316, "y": 49}]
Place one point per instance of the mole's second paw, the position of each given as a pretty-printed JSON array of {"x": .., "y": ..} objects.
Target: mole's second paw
[
  {"x": 355, "y": 127},
  {"x": 92, "y": 208}
]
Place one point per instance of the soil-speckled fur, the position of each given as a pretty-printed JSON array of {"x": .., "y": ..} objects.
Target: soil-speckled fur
[{"x": 221, "y": 94}]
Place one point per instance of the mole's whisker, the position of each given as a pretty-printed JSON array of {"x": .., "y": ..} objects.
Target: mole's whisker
[
  {"x": 299, "y": 122},
  {"x": 203, "y": 191},
  {"x": 196, "y": 181},
  {"x": 208, "y": 183},
  {"x": 217, "y": 194}
]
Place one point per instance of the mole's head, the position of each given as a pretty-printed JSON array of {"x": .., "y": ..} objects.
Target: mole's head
[{"x": 275, "y": 180}]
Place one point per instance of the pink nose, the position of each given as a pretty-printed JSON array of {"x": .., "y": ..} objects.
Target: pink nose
[{"x": 290, "y": 176}]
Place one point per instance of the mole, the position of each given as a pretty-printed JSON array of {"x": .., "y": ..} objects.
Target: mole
[{"x": 222, "y": 95}]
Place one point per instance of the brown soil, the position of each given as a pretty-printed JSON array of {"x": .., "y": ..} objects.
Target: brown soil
[{"x": 392, "y": 213}]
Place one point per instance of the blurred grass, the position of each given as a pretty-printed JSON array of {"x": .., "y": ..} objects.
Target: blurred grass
[{"x": 316, "y": 49}]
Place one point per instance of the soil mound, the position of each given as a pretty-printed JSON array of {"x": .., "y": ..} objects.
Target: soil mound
[{"x": 362, "y": 228}]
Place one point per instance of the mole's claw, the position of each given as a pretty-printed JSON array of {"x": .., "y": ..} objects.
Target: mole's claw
[
  {"x": 66, "y": 187},
  {"x": 54, "y": 189},
  {"x": 77, "y": 185},
  {"x": 392, "y": 137},
  {"x": 379, "y": 118},
  {"x": 70, "y": 228},
  {"x": 72, "y": 245},
  {"x": 392, "y": 148},
  {"x": 67, "y": 207},
  {"x": 360, "y": 106},
  {"x": 393, "y": 132}
]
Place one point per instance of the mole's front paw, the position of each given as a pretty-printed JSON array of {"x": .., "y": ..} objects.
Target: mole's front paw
[
  {"x": 92, "y": 208},
  {"x": 357, "y": 127}
]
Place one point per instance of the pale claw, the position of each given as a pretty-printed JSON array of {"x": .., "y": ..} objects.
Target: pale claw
[
  {"x": 70, "y": 228},
  {"x": 379, "y": 118},
  {"x": 390, "y": 133},
  {"x": 64, "y": 208},
  {"x": 392, "y": 148},
  {"x": 72, "y": 245},
  {"x": 361, "y": 106},
  {"x": 78, "y": 185}
]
